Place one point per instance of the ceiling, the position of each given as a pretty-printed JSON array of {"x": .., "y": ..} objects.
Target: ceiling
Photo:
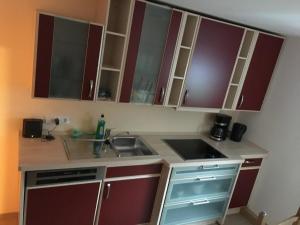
[{"x": 279, "y": 16}]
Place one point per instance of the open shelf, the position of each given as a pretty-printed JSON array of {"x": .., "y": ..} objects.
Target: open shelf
[
  {"x": 113, "y": 51},
  {"x": 118, "y": 16},
  {"x": 238, "y": 71},
  {"x": 189, "y": 30},
  {"x": 247, "y": 43},
  {"x": 230, "y": 97},
  {"x": 109, "y": 84},
  {"x": 175, "y": 92},
  {"x": 182, "y": 62}
]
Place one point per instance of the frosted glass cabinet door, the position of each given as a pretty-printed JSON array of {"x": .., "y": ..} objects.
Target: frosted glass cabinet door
[
  {"x": 148, "y": 37},
  {"x": 153, "y": 37},
  {"x": 68, "y": 58}
]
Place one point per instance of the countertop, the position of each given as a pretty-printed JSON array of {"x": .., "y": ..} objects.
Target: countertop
[{"x": 35, "y": 154}]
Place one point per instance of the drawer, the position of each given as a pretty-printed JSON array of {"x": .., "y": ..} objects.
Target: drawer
[
  {"x": 199, "y": 188},
  {"x": 200, "y": 171},
  {"x": 252, "y": 162},
  {"x": 124, "y": 171},
  {"x": 193, "y": 212}
]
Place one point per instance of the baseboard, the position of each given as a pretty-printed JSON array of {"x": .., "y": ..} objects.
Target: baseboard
[
  {"x": 249, "y": 214},
  {"x": 9, "y": 215},
  {"x": 233, "y": 211}
]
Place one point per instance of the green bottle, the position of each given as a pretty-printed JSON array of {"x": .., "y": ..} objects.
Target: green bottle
[{"x": 100, "y": 128}]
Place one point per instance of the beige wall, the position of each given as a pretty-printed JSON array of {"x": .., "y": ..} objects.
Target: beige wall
[
  {"x": 17, "y": 23},
  {"x": 276, "y": 129}
]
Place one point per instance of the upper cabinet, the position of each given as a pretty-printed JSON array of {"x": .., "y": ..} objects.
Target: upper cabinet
[
  {"x": 253, "y": 71},
  {"x": 67, "y": 58},
  {"x": 148, "y": 37},
  {"x": 260, "y": 71},
  {"x": 211, "y": 65}
]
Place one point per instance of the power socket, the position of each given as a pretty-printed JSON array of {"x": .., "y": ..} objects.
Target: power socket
[{"x": 62, "y": 120}]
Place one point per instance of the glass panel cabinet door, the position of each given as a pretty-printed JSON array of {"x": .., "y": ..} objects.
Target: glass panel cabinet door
[
  {"x": 152, "y": 42},
  {"x": 68, "y": 58}
]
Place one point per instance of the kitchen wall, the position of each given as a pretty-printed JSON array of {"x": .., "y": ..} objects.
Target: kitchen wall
[
  {"x": 17, "y": 23},
  {"x": 276, "y": 129}
]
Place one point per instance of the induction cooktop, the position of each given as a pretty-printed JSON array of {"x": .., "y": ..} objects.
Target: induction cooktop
[{"x": 189, "y": 149}]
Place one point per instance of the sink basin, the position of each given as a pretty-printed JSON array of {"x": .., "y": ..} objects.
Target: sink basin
[
  {"x": 120, "y": 146},
  {"x": 130, "y": 146}
]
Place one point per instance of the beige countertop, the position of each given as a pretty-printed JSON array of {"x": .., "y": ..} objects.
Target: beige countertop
[{"x": 35, "y": 154}]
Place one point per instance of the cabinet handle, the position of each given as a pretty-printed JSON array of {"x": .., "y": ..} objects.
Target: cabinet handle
[
  {"x": 91, "y": 88},
  {"x": 186, "y": 95},
  {"x": 108, "y": 191},
  {"x": 241, "y": 102},
  {"x": 162, "y": 95},
  {"x": 203, "y": 202},
  {"x": 249, "y": 161},
  {"x": 205, "y": 178},
  {"x": 210, "y": 167}
]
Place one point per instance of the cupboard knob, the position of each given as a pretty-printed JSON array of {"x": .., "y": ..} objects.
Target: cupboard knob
[
  {"x": 91, "y": 88},
  {"x": 162, "y": 95},
  {"x": 186, "y": 95},
  {"x": 241, "y": 102}
]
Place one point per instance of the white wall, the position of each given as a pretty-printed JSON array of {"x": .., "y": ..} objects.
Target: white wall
[{"x": 277, "y": 129}]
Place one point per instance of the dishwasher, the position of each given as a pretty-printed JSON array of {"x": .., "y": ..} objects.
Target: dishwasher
[{"x": 62, "y": 197}]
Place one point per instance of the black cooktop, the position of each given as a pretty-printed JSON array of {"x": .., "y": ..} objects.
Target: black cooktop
[{"x": 193, "y": 149}]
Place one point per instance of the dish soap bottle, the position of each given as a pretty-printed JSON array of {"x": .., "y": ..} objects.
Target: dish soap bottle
[{"x": 100, "y": 128}]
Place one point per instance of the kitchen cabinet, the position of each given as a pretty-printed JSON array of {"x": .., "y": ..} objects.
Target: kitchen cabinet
[
  {"x": 148, "y": 36},
  {"x": 245, "y": 183},
  {"x": 67, "y": 58},
  {"x": 198, "y": 194},
  {"x": 260, "y": 72},
  {"x": 60, "y": 197},
  {"x": 129, "y": 198},
  {"x": 211, "y": 65}
]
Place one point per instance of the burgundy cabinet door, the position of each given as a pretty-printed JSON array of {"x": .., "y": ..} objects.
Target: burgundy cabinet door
[
  {"x": 260, "y": 72},
  {"x": 91, "y": 62},
  {"x": 128, "y": 202},
  {"x": 43, "y": 56},
  {"x": 72, "y": 204},
  {"x": 167, "y": 57},
  {"x": 243, "y": 188},
  {"x": 212, "y": 63}
]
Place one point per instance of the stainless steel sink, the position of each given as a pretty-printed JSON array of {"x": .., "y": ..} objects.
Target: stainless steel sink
[
  {"x": 119, "y": 146},
  {"x": 130, "y": 146}
]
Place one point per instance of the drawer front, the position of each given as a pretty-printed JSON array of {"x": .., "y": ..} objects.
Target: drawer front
[
  {"x": 193, "y": 212},
  {"x": 124, "y": 171},
  {"x": 205, "y": 187},
  {"x": 200, "y": 171},
  {"x": 252, "y": 162}
]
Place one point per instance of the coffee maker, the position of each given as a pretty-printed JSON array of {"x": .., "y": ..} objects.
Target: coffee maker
[{"x": 219, "y": 131}]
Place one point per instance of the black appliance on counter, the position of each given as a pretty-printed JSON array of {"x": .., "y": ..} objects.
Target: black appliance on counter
[
  {"x": 190, "y": 149},
  {"x": 32, "y": 128},
  {"x": 238, "y": 130},
  {"x": 219, "y": 131}
]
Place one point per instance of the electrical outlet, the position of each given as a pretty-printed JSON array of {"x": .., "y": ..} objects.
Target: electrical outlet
[{"x": 63, "y": 120}]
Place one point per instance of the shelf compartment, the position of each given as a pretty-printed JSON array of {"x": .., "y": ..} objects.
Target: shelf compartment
[
  {"x": 108, "y": 84},
  {"x": 238, "y": 72},
  {"x": 199, "y": 188},
  {"x": 182, "y": 62},
  {"x": 175, "y": 92},
  {"x": 113, "y": 51},
  {"x": 247, "y": 43},
  {"x": 189, "y": 30},
  {"x": 193, "y": 212},
  {"x": 118, "y": 16},
  {"x": 231, "y": 97}
]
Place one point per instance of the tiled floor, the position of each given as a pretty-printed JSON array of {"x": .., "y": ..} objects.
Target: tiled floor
[{"x": 236, "y": 219}]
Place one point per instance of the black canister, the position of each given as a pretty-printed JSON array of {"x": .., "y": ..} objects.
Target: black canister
[{"x": 238, "y": 130}]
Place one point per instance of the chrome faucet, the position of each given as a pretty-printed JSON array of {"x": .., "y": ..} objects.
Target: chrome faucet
[{"x": 108, "y": 136}]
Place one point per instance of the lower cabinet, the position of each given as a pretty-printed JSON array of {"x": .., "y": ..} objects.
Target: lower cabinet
[
  {"x": 243, "y": 188},
  {"x": 245, "y": 183},
  {"x": 62, "y": 197},
  {"x": 129, "y": 198},
  {"x": 198, "y": 194}
]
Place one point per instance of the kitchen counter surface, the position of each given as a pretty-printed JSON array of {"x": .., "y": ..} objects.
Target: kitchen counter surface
[{"x": 35, "y": 154}]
